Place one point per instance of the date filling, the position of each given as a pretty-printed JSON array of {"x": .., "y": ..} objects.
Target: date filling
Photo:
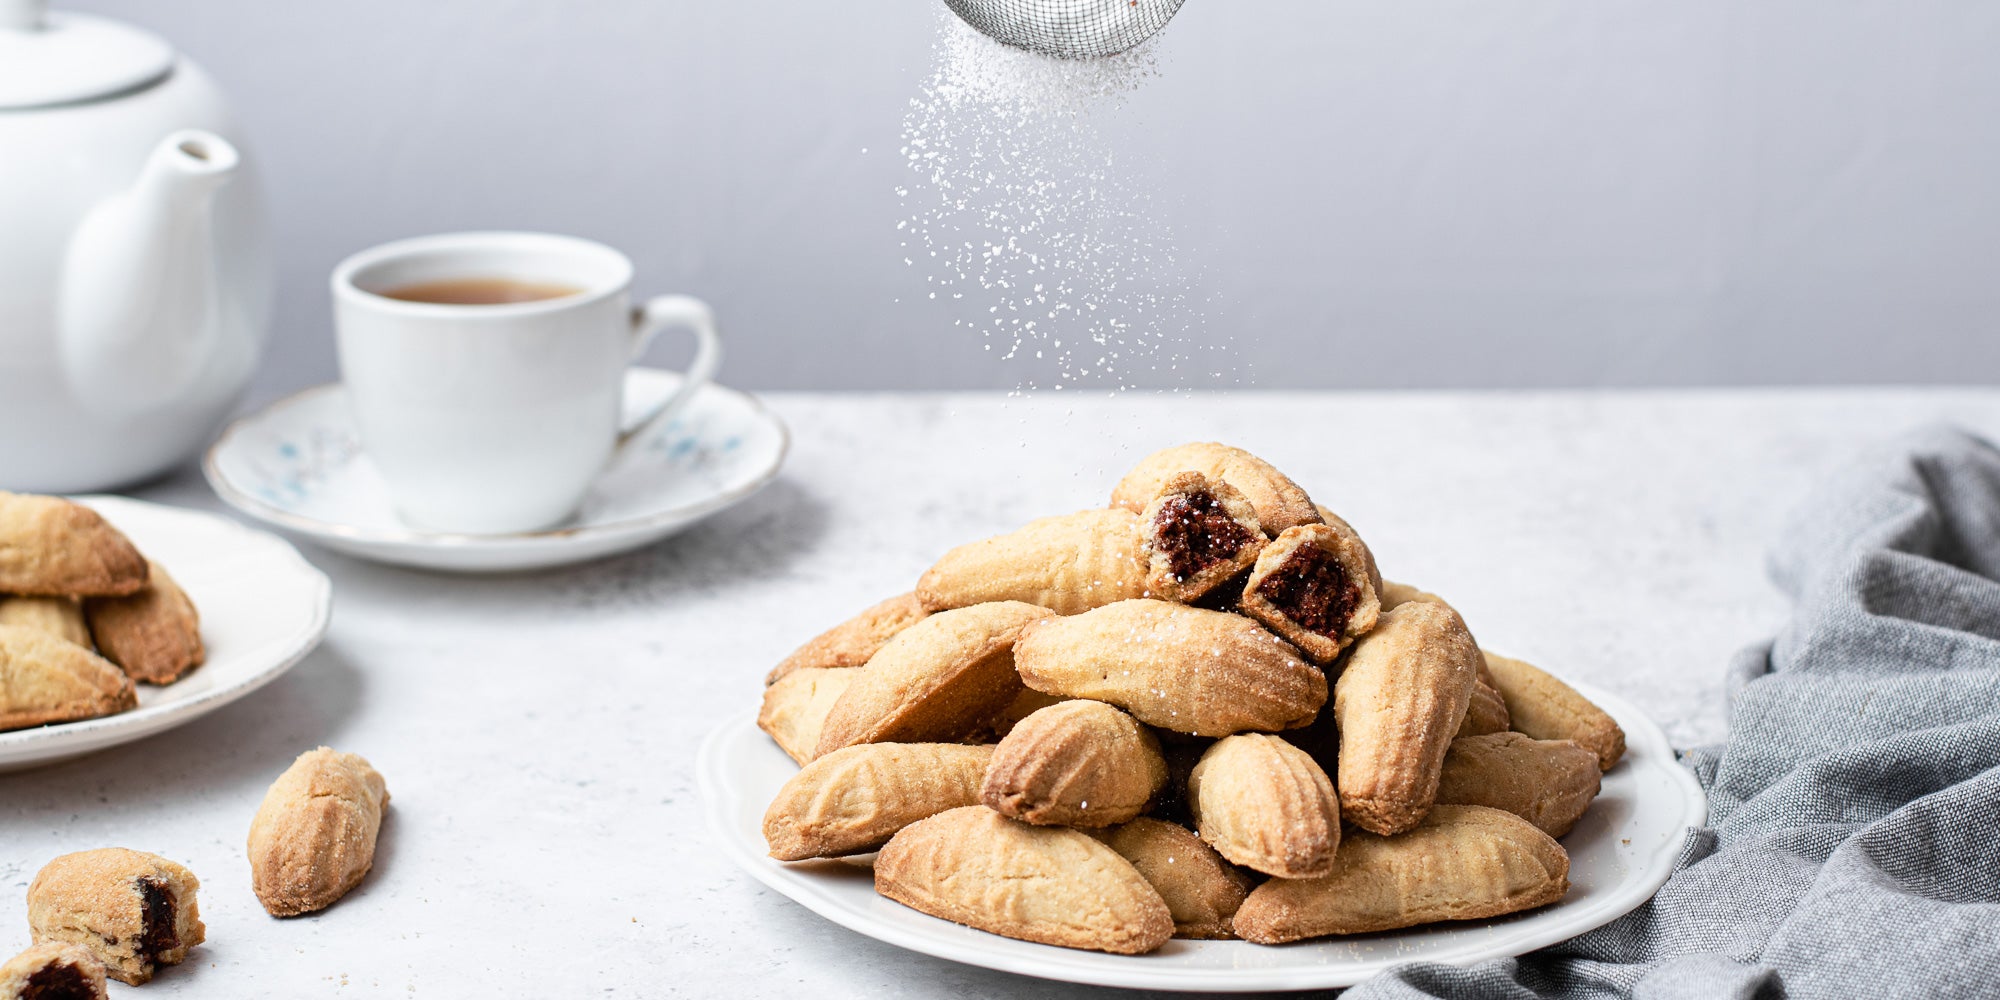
[
  {"x": 1313, "y": 589},
  {"x": 59, "y": 981},
  {"x": 156, "y": 912},
  {"x": 1195, "y": 532}
]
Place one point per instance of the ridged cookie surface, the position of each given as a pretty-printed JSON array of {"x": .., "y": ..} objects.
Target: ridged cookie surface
[
  {"x": 796, "y": 705},
  {"x": 1547, "y": 709},
  {"x": 1279, "y": 502},
  {"x": 1461, "y": 863},
  {"x": 1547, "y": 782},
  {"x": 313, "y": 838},
  {"x": 1264, "y": 804},
  {"x": 854, "y": 800},
  {"x": 1068, "y": 563},
  {"x": 935, "y": 681},
  {"x": 1201, "y": 890},
  {"x": 1076, "y": 763},
  {"x": 1190, "y": 670},
  {"x": 852, "y": 642},
  {"x": 1048, "y": 884},
  {"x": 1398, "y": 704},
  {"x": 46, "y": 679},
  {"x": 54, "y": 548}
]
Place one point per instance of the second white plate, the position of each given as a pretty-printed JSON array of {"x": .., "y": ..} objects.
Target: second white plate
[{"x": 1620, "y": 854}]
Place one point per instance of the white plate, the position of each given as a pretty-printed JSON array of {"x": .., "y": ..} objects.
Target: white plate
[
  {"x": 262, "y": 607},
  {"x": 1620, "y": 854},
  {"x": 298, "y": 466}
]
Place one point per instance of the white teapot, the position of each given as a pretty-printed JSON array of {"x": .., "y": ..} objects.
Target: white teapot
[{"x": 135, "y": 270}]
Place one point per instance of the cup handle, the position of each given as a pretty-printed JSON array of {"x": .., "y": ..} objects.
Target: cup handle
[{"x": 656, "y": 314}]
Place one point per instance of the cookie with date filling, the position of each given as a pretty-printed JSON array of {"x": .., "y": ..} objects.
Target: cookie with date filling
[
  {"x": 1279, "y": 502},
  {"x": 53, "y": 971},
  {"x": 1311, "y": 585},
  {"x": 1199, "y": 532},
  {"x": 135, "y": 911}
]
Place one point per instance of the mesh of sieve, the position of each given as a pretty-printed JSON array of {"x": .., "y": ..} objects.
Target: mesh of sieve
[{"x": 1067, "y": 29}]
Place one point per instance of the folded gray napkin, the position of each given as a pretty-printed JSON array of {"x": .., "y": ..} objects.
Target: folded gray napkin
[{"x": 1853, "y": 845}]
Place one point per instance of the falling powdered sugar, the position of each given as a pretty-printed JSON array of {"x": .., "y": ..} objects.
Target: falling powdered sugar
[{"x": 1020, "y": 221}]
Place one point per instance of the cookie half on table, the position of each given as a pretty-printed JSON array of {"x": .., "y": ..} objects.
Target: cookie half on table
[
  {"x": 135, "y": 911},
  {"x": 1199, "y": 534},
  {"x": 53, "y": 971}
]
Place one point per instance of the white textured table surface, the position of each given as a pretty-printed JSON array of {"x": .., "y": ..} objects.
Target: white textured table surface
[{"x": 538, "y": 732}]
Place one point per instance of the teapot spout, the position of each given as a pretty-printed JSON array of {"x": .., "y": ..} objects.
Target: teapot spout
[{"x": 139, "y": 312}]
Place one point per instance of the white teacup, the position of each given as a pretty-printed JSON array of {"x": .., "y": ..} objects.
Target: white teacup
[{"x": 486, "y": 419}]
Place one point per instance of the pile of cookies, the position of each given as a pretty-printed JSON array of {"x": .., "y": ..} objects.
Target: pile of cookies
[
  {"x": 82, "y": 616},
  {"x": 126, "y": 914},
  {"x": 1200, "y": 712}
]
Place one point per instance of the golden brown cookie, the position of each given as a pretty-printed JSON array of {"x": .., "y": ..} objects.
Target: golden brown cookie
[
  {"x": 852, "y": 642},
  {"x": 854, "y": 800},
  {"x": 61, "y": 617},
  {"x": 1199, "y": 533},
  {"x": 1047, "y": 884},
  {"x": 1398, "y": 704},
  {"x": 1311, "y": 585},
  {"x": 1264, "y": 804},
  {"x": 1374, "y": 572},
  {"x": 1077, "y": 763},
  {"x": 796, "y": 706},
  {"x": 1547, "y": 709},
  {"x": 1069, "y": 563},
  {"x": 934, "y": 682},
  {"x": 155, "y": 634},
  {"x": 51, "y": 547},
  {"x": 1547, "y": 782},
  {"x": 45, "y": 679},
  {"x": 53, "y": 971},
  {"x": 1461, "y": 863},
  {"x": 1187, "y": 669},
  {"x": 1485, "y": 711},
  {"x": 1395, "y": 595},
  {"x": 134, "y": 911},
  {"x": 1201, "y": 890},
  {"x": 313, "y": 839},
  {"x": 1279, "y": 502}
]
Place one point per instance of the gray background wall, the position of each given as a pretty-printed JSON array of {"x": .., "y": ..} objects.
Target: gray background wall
[{"x": 1377, "y": 192}]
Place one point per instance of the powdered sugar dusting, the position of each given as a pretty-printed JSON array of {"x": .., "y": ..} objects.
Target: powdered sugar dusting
[{"x": 1020, "y": 217}]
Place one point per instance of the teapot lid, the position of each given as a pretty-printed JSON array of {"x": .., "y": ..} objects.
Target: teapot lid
[{"x": 65, "y": 58}]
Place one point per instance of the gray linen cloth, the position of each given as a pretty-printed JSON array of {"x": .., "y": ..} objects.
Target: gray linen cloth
[{"x": 1853, "y": 846}]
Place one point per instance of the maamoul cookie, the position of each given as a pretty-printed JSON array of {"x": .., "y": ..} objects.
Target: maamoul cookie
[
  {"x": 153, "y": 634},
  {"x": 313, "y": 839},
  {"x": 1264, "y": 804},
  {"x": 1311, "y": 585},
  {"x": 1199, "y": 534},
  {"x": 853, "y": 800},
  {"x": 1201, "y": 890},
  {"x": 1547, "y": 782},
  {"x": 53, "y": 971},
  {"x": 796, "y": 705},
  {"x": 54, "y": 548},
  {"x": 852, "y": 642},
  {"x": 1461, "y": 863},
  {"x": 136, "y": 912},
  {"x": 1279, "y": 502},
  {"x": 1487, "y": 712},
  {"x": 1069, "y": 563},
  {"x": 46, "y": 679},
  {"x": 1374, "y": 572},
  {"x": 935, "y": 681},
  {"x": 1187, "y": 669},
  {"x": 1076, "y": 763},
  {"x": 1048, "y": 884},
  {"x": 61, "y": 617},
  {"x": 1547, "y": 709},
  {"x": 1398, "y": 704}
]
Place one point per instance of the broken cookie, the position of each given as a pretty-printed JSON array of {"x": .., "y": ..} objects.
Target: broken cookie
[
  {"x": 135, "y": 911},
  {"x": 1200, "y": 533},
  {"x": 1311, "y": 585}
]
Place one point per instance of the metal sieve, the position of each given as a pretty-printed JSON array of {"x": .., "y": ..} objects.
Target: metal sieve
[{"x": 1067, "y": 29}]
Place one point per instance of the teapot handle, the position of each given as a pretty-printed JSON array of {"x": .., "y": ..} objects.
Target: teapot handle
[{"x": 24, "y": 15}]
